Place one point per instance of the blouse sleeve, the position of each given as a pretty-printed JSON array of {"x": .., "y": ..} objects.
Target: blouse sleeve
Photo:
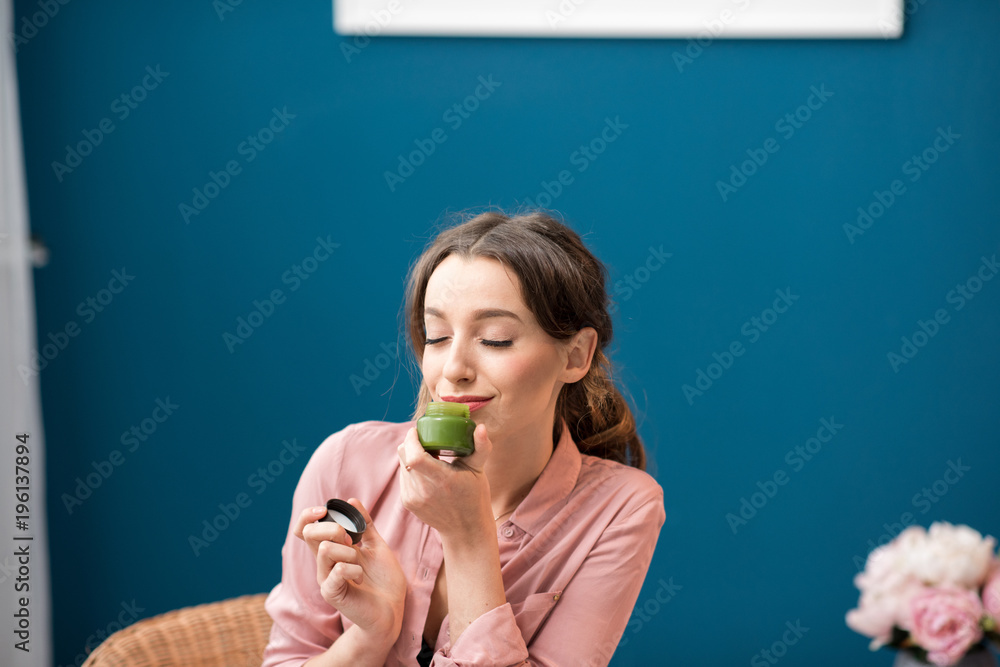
[
  {"x": 305, "y": 625},
  {"x": 585, "y": 620}
]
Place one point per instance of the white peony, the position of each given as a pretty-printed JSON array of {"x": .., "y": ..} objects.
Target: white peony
[
  {"x": 887, "y": 585},
  {"x": 914, "y": 560},
  {"x": 888, "y": 567},
  {"x": 957, "y": 555}
]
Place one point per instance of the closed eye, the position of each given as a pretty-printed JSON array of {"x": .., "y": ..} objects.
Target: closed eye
[{"x": 488, "y": 343}]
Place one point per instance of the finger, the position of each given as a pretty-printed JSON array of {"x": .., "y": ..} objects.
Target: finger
[
  {"x": 349, "y": 572},
  {"x": 306, "y": 517},
  {"x": 411, "y": 453},
  {"x": 330, "y": 554},
  {"x": 484, "y": 447},
  {"x": 335, "y": 584},
  {"x": 334, "y": 587},
  {"x": 371, "y": 533},
  {"x": 318, "y": 532}
]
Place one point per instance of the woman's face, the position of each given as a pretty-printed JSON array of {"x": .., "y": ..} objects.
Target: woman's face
[{"x": 485, "y": 348}]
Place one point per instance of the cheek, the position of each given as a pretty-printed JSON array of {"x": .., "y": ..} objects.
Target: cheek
[
  {"x": 529, "y": 377},
  {"x": 430, "y": 369}
]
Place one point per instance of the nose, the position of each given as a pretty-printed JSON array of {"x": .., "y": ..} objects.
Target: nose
[{"x": 458, "y": 367}]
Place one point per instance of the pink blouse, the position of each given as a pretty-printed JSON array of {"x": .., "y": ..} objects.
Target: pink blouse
[{"x": 573, "y": 557}]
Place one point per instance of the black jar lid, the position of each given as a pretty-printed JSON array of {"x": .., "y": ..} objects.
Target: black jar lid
[{"x": 345, "y": 514}]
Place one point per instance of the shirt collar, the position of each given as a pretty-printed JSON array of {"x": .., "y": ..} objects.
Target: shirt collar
[{"x": 557, "y": 480}]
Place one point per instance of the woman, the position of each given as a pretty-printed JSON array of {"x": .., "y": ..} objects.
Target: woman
[{"x": 532, "y": 550}]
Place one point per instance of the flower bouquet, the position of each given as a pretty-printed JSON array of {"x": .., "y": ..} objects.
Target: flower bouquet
[{"x": 932, "y": 593}]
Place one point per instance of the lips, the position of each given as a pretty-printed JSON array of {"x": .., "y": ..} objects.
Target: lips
[{"x": 474, "y": 402}]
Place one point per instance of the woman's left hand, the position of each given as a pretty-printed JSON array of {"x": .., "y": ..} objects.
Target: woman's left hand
[{"x": 453, "y": 498}]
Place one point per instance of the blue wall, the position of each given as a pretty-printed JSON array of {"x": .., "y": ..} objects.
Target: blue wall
[{"x": 853, "y": 294}]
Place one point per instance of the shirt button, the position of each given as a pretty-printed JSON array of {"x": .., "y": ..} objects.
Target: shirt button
[
  {"x": 508, "y": 532},
  {"x": 555, "y": 598}
]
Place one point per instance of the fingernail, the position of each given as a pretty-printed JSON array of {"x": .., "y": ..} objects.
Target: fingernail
[{"x": 319, "y": 510}]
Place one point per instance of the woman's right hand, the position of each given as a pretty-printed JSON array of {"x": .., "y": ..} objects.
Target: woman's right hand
[{"x": 365, "y": 582}]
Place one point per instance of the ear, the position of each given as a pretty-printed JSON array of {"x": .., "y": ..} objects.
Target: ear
[{"x": 579, "y": 355}]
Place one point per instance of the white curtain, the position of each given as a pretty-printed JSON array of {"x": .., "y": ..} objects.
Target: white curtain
[{"x": 23, "y": 578}]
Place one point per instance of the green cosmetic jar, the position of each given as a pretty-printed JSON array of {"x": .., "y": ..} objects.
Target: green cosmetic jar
[{"x": 446, "y": 428}]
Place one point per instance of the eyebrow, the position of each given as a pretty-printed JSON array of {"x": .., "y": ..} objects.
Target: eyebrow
[{"x": 481, "y": 314}]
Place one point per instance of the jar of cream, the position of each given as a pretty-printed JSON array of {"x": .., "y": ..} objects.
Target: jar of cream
[{"x": 446, "y": 428}]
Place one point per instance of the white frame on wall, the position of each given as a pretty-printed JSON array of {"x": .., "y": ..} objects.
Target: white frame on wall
[{"x": 623, "y": 18}]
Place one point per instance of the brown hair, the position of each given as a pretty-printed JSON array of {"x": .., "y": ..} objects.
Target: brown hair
[{"x": 562, "y": 283}]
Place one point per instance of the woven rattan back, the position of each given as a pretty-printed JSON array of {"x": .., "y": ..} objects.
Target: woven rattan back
[{"x": 231, "y": 633}]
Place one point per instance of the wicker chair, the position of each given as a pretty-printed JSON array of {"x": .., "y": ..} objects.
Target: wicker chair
[{"x": 231, "y": 633}]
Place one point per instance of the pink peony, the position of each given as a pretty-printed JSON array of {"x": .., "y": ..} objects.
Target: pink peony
[
  {"x": 946, "y": 623},
  {"x": 991, "y": 593}
]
